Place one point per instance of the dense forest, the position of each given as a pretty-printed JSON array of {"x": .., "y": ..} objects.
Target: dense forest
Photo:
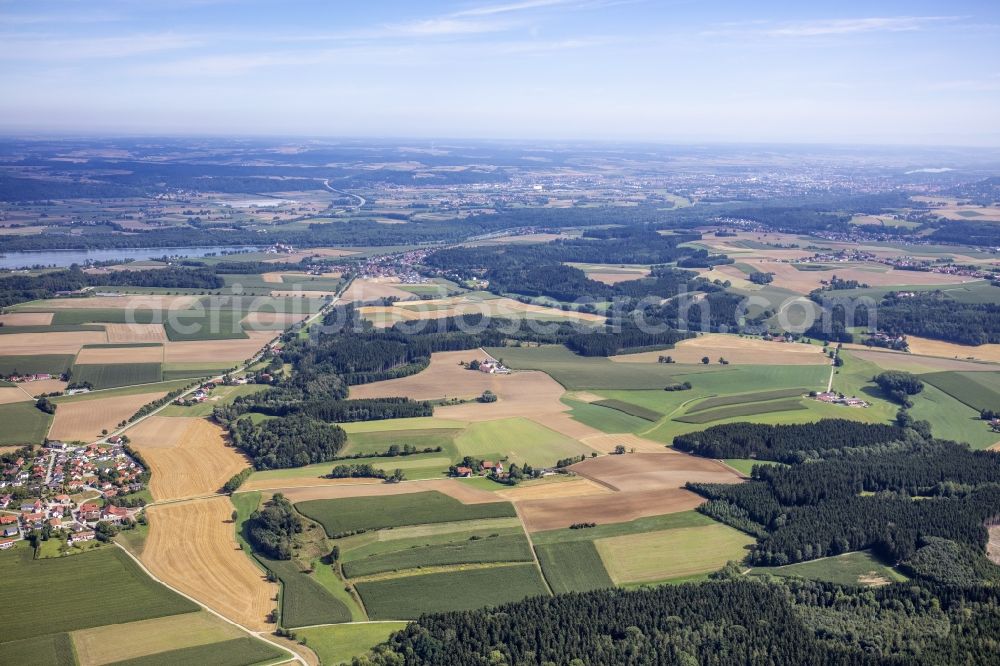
[
  {"x": 270, "y": 530},
  {"x": 733, "y": 620},
  {"x": 293, "y": 441},
  {"x": 785, "y": 443},
  {"x": 20, "y": 288}
]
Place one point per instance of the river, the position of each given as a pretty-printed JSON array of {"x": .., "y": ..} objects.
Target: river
[{"x": 64, "y": 258}]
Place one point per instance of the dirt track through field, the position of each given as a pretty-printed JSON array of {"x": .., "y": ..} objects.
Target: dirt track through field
[
  {"x": 192, "y": 547},
  {"x": 188, "y": 457},
  {"x": 84, "y": 419}
]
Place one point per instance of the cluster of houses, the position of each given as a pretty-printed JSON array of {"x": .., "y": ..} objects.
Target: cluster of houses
[
  {"x": 835, "y": 398},
  {"x": 37, "y": 377},
  {"x": 58, "y": 513},
  {"x": 491, "y": 366},
  {"x": 486, "y": 468}
]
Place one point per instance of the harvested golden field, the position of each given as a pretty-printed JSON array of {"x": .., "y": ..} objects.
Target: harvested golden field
[
  {"x": 506, "y": 308},
  {"x": 223, "y": 351},
  {"x": 90, "y": 355},
  {"x": 272, "y": 278},
  {"x": 192, "y": 546},
  {"x": 607, "y": 443},
  {"x": 122, "y": 333},
  {"x": 737, "y": 350},
  {"x": 30, "y": 344},
  {"x": 563, "y": 423},
  {"x": 83, "y": 420},
  {"x": 188, "y": 457},
  {"x": 889, "y": 360},
  {"x": 927, "y": 347},
  {"x": 786, "y": 276},
  {"x": 105, "y": 645},
  {"x": 26, "y": 319},
  {"x": 525, "y": 394},
  {"x": 364, "y": 290},
  {"x": 9, "y": 394}
]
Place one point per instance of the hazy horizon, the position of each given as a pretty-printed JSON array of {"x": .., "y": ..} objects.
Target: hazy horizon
[{"x": 888, "y": 74}]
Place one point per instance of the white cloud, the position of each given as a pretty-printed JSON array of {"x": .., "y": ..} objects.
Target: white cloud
[
  {"x": 825, "y": 27},
  {"x": 15, "y": 47}
]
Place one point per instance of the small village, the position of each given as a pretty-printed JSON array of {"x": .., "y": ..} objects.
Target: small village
[{"x": 72, "y": 487}]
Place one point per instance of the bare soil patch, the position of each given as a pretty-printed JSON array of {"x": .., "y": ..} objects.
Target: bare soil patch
[
  {"x": 26, "y": 319},
  {"x": 551, "y": 514},
  {"x": 124, "y": 333},
  {"x": 28, "y": 344},
  {"x": 44, "y": 386},
  {"x": 192, "y": 547},
  {"x": 576, "y": 488},
  {"x": 188, "y": 457},
  {"x": 9, "y": 394},
  {"x": 651, "y": 471},
  {"x": 83, "y": 420},
  {"x": 94, "y": 355},
  {"x": 737, "y": 350}
]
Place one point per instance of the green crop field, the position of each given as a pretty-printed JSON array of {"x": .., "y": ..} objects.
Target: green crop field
[
  {"x": 116, "y": 375},
  {"x": 398, "y": 539},
  {"x": 745, "y": 465},
  {"x": 304, "y": 601},
  {"x": 53, "y": 364},
  {"x": 356, "y": 513},
  {"x": 519, "y": 439},
  {"x": 236, "y": 652},
  {"x": 675, "y": 553},
  {"x": 340, "y": 644},
  {"x": 978, "y": 390},
  {"x": 588, "y": 372},
  {"x": 604, "y": 419},
  {"x": 415, "y": 423},
  {"x": 951, "y": 419},
  {"x": 67, "y": 328},
  {"x": 123, "y": 315},
  {"x": 410, "y": 597},
  {"x": 741, "y": 398},
  {"x": 416, "y": 466},
  {"x": 573, "y": 566},
  {"x": 471, "y": 550},
  {"x": 85, "y": 590},
  {"x": 630, "y": 409},
  {"x": 47, "y": 650},
  {"x": 970, "y": 292},
  {"x": 370, "y": 443},
  {"x": 23, "y": 423},
  {"x": 847, "y": 569},
  {"x": 732, "y": 411}
]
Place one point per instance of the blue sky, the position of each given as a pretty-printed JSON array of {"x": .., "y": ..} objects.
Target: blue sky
[{"x": 677, "y": 70}]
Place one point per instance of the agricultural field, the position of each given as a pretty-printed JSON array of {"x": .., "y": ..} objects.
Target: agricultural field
[
  {"x": 409, "y": 597},
  {"x": 736, "y": 349},
  {"x": 53, "y": 364},
  {"x": 115, "y": 375},
  {"x": 857, "y": 568},
  {"x": 520, "y": 440},
  {"x": 304, "y": 601},
  {"x": 573, "y": 566},
  {"x": 220, "y": 395},
  {"x": 23, "y": 423},
  {"x": 340, "y": 643},
  {"x": 84, "y": 591},
  {"x": 978, "y": 390},
  {"x": 188, "y": 457},
  {"x": 677, "y": 553},
  {"x": 122, "y": 353},
  {"x": 350, "y": 514},
  {"x": 79, "y": 419},
  {"x": 245, "y": 651},
  {"x": 216, "y": 572},
  {"x": 461, "y": 548},
  {"x": 735, "y": 411}
]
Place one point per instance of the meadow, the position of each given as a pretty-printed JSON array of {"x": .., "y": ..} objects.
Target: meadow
[
  {"x": 245, "y": 651},
  {"x": 409, "y": 597},
  {"x": 53, "y": 364},
  {"x": 572, "y": 566},
  {"x": 339, "y": 644},
  {"x": 304, "y": 602},
  {"x": 473, "y": 549},
  {"x": 520, "y": 440},
  {"x": 861, "y": 567},
  {"x": 357, "y": 513},
  {"x": 85, "y": 590},
  {"x": 23, "y": 423},
  {"x": 978, "y": 390}
]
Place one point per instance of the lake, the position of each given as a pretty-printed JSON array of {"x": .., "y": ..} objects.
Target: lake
[{"x": 64, "y": 258}]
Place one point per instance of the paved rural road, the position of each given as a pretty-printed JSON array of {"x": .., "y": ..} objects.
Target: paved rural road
[{"x": 361, "y": 200}]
